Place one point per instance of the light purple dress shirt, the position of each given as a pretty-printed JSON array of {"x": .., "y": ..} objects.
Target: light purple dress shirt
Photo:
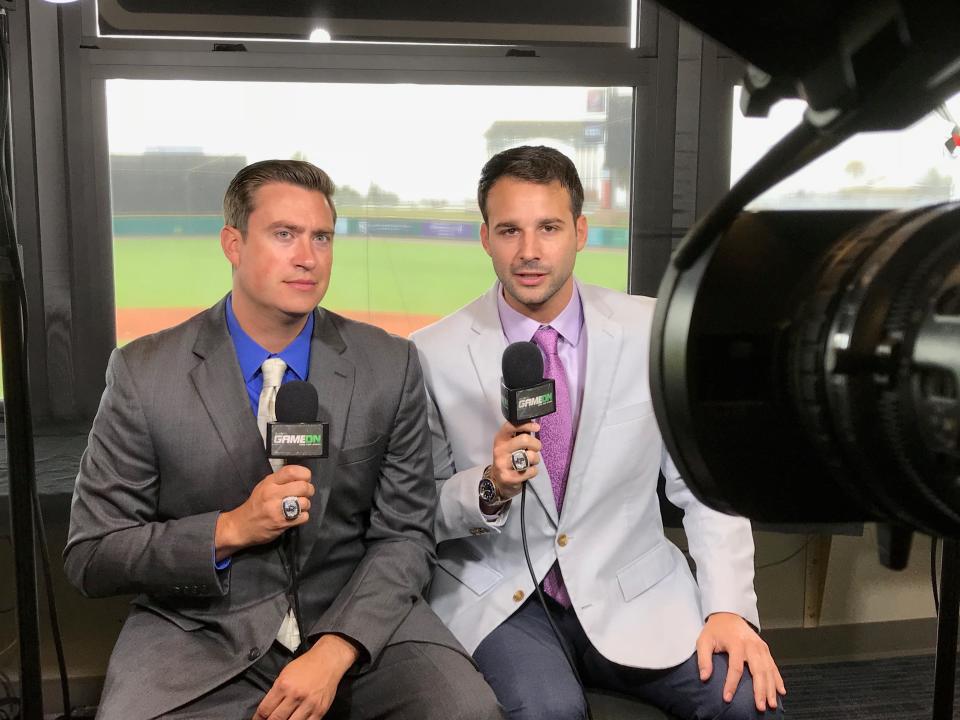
[{"x": 572, "y": 347}]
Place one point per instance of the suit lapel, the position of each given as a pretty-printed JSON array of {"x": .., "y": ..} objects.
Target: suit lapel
[
  {"x": 333, "y": 375},
  {"x": 486, "y": 351},
  {"x": 604, "y": 341},
  {"x": 219, "y": 383}
]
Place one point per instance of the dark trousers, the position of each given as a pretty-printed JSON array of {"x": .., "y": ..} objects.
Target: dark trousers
[
  {"x": 524, "y": 664},
  {"x": 409, "y": 681}
]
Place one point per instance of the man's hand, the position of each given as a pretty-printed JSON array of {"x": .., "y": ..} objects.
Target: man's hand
[
  {"x": 730, "y": 633},
  {"x": 260, "y": 519},
  {"x": 508, "y": 439},
  {"x": 305, "y": 688}
]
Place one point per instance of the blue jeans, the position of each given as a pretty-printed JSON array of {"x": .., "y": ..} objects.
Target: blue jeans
[{"x": 524, "y": 664}]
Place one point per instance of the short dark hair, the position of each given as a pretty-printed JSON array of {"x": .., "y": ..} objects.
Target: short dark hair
[
  {"x": 238, "y": 200},
  {"x": 533, "y": 163}
]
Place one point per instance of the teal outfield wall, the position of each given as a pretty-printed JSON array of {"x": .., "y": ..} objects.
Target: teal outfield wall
[{"x": 421, "y": 228}]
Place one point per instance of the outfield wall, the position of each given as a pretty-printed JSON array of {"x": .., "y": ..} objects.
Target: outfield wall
[{"x": 407, "y": 227}]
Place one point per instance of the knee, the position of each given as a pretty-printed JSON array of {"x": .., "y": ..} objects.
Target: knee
[
  {"x": 744, "y": 706},
  {"x": 554, "y": 706},
  {"x": 482, "y": 705}
]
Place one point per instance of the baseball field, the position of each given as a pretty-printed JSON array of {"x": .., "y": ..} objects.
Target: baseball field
[{"x": 398, "y": 284}]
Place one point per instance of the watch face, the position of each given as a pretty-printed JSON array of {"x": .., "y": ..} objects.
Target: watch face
[{"x": 488, "y": 491}]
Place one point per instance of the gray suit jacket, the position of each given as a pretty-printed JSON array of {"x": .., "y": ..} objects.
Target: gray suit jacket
[{"x": 175, "y": 442}]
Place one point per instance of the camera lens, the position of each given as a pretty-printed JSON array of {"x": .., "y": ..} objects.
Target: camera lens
[{"x": 806, "y": 368}]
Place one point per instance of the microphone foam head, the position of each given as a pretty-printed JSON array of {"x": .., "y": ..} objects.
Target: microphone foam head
[
  {"x": 522, "y": 365},
  {"x": 297, "y": 402}
]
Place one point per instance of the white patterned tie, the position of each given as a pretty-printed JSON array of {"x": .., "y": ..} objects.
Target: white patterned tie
[{"x": 273, "y": 370}]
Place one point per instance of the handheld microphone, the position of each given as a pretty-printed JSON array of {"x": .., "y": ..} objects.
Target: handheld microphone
[
  {"x": 297, "y": 435},
  {"x": 524, "y": 393}
]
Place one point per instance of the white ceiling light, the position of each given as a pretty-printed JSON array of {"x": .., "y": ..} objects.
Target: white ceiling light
[{"x": 320, "y": 35}]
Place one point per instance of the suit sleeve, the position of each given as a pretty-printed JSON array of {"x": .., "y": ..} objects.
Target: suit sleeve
[
  {"x": 722, "y": 548},
  {"x": 116, "y": 542},
  {"x": 458, "y": 507},
  {"x": 401, "y": 551}
]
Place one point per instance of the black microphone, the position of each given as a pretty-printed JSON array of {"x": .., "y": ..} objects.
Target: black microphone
[
  {"x": 297, "y": 435},
  {"x": 524, "y": 393}
]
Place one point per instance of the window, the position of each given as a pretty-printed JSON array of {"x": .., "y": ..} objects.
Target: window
[
  {"x": 895, "y": 169},
  {"x": 405, "y": 158}
]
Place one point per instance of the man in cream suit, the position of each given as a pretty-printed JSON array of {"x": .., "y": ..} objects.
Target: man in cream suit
[
  {"x": 620, "y": 594},
  {"x": 176, "y": 501}
]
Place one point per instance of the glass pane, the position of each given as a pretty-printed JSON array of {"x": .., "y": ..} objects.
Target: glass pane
[
  {"x": 406, "y": 159},
  {"x": 902, "y": 168},
  {"x": 602, "y": 22}
]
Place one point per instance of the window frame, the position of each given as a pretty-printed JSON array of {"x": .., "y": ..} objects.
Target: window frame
[{"x": 63, "y": 197}]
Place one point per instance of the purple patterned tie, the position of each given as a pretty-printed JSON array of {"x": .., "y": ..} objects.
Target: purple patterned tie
[{"x": 556, "y": 434}]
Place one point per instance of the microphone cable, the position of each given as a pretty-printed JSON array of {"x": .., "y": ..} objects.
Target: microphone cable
[
  {"x": 289, "y": 550},
  {"x": 294, "y": 548},
  {"x": 543, "y": 600}
]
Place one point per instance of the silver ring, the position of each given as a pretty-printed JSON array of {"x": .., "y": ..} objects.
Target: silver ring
[
  {"x": 519, "y": 460},
  {"x": 291, "y": 507}
]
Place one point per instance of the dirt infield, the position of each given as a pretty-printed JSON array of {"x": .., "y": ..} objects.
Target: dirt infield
[{"x": 136, "y": 322}]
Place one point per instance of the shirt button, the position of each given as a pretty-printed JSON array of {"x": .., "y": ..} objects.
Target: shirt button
[
  {"x": 518, "y": 596},
  {"x": 562, "y": 541},
  {"x": 253, "y": 654}
]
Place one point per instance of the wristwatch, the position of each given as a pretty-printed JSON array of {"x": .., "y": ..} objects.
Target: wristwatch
[{"x": 489, "y": 494}]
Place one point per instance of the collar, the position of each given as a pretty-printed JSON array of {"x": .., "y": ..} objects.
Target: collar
[
  {"x": 251, "y": 354},
  {"x": 517, "y": 326}
]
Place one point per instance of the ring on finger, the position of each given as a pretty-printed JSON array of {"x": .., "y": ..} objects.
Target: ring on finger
[
  {"x": 519, "y": 460},
  {"x": 291, "y": 507}
]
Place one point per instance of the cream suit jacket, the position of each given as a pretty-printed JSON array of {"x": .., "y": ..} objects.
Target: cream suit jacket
[{"x": 632, "y": 589}]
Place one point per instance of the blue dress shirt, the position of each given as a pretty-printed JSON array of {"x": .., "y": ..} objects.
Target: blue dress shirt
[{"x": 251, "y": 356}]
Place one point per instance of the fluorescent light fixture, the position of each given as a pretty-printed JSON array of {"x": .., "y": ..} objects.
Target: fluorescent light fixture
[
  {"x": 634, "y": 23},
  {"x": 320, "y": 35},
  {"x": 61, "y": 2}
]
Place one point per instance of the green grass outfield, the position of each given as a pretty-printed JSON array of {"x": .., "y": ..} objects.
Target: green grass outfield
[{"x": 431, "y": 277}]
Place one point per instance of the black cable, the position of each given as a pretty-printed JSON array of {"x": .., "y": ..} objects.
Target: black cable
[
  {"x": 782, "y": 560},
  {"x": 52, "y": 605},
  {"x": 543, "y": 600},
  {"x": 933, "y": 574},
  {"x": 288, "y": 551},
  {"x": 6, "y": 209},
  {"x": 295, "y": 589}
]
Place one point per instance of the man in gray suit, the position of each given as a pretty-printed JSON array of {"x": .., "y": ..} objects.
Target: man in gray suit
[{"x": 176, "y": 499}]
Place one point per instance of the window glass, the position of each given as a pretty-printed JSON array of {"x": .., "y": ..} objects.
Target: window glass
[
  {"x": 405, "y": 158},
  {"x": 916, "y": 166}
]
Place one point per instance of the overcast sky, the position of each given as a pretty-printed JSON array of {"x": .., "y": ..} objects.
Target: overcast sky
[
  {"x": 889, "y": 159},
  {"x": 416, "y": 140},
  {"x": 427, "y": 142}
]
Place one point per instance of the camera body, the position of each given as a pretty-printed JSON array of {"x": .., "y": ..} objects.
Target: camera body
[{"x": 805, "y": 366}]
